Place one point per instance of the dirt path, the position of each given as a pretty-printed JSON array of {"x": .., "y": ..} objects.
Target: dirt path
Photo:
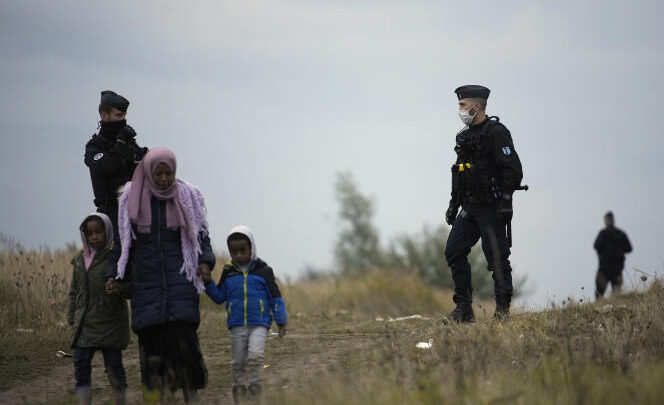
[{"x": 297, "y": 354}]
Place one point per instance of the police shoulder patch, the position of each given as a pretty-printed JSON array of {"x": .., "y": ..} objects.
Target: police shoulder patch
[
  {"x": 98, "y": 156},
  {"x": 507, "y": 151}
]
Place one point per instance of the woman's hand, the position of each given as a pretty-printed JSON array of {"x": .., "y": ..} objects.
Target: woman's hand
[
  {"x": 112, "y": 286},
  {"x": 204, "y": 272}
]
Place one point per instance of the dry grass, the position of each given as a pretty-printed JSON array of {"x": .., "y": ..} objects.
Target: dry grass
[
  {"x": 606, "y": 352},
  {"x": 34, "y": 287},
  {"x": 609, "y": 353}
]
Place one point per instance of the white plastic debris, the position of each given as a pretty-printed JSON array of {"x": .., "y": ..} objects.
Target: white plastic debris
[
  {"x": 405, "y": 318},
  {"x": 401, "y": 318},
  {"x": 23, "y": 330},
  {"x": 425, "y": 345}
]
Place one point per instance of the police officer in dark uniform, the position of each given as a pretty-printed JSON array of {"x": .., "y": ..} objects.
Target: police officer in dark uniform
[
  {"x": 486, "y": 173},
  {"x": 112, "y": 154},
  {"x": 611, "y": 245}
]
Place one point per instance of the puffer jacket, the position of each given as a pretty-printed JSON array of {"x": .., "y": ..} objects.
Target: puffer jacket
[
  {"x": 252, "y": 298},
  {"x": 159, "y": 293},
  {"x": 98, "y": 320}
]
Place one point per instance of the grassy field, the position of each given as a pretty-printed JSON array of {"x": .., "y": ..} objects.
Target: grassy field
[{"x": 345, "y": 347}]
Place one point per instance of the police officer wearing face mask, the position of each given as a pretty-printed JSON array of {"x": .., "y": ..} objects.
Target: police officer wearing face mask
[
  {"x": 486, "y": 173},
  {"x": 112, "y": 154}
]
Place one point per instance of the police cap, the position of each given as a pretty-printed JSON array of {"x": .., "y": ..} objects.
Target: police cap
[
  {"x": 111, "y": 99},
  {"x": 472, "y": 91}
]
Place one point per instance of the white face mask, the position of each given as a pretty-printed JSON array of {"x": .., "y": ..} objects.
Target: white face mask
[{"x": 466, "y": 117}]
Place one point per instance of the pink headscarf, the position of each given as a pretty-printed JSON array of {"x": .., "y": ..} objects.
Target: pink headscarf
[
  {"x": 88, "y": 252},
  {"x": 143, "y": 189}
]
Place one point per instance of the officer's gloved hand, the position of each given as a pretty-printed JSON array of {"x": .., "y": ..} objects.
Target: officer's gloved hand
[
  {"x": 126, "y": 134},
  {"x": 138, "y": 156},
  {"x": 505, "y": 207},
  {"x": 451, "y": 213}
]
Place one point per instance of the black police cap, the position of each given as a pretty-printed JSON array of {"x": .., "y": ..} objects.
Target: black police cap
[
  {"x": 111, "y": 99},
  {"x": 472, "y": 91}
]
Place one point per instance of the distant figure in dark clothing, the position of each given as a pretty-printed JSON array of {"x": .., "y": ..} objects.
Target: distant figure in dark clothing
[
  {"x": 112, "y": 154},
  {"x": 611, "y": 245}
]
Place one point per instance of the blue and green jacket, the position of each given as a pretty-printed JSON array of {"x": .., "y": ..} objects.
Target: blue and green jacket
[{"x": 252, "y": 298}]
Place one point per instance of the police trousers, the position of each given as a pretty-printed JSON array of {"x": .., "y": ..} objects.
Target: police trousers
[{"x": 475, "y": 222}]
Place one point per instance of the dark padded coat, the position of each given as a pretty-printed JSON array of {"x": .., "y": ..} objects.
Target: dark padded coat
[
  {"x": 489, "y": 151},
  {"x": 252, "y": 298},
  {"x": 97, "y": 319},
  {"x": 159, "y": 293}
]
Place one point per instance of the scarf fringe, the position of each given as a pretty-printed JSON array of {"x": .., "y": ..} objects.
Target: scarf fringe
[{"x": 194, "y": 203}]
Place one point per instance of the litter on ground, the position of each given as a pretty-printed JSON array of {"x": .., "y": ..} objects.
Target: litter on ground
[
  {"x": 425, "y": 345},
  {"x": 402, "y": 318}
]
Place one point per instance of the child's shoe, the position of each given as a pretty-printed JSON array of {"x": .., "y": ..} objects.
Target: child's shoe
[
  {"x": 255, "y": 391},
  {"x": 239, "y": 394}
]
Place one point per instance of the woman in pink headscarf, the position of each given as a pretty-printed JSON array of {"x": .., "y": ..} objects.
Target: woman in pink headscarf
[{"x": 163, "y": 243}]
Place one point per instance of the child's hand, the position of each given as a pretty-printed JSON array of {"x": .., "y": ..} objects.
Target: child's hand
[
  {"x": 204, "y": 272},
  {"x": 282, "y": 330}
]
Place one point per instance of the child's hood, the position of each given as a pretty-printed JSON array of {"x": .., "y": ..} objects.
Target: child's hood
[
  {"x": 244, "y": 230},
  {"x": 108, "y": 229}
]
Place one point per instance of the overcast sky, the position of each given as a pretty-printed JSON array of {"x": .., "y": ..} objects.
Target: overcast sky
[{"x": 264, "y": 101}]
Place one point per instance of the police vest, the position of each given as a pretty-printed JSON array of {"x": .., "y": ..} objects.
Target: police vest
[{"x": 472, "y": 179}]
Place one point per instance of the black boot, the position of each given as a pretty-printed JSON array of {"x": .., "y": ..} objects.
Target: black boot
[
  {"x": 502, "y": 307},
  {"x": 239, "y": 394},
  {"x": 463, "y": 313}
]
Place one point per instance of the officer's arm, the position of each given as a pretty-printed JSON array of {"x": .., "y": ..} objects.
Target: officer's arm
[
  {"x": 506, "y": 158},
  {"x": 107, "y": 161},
  {"x": 455, "y": 173}
]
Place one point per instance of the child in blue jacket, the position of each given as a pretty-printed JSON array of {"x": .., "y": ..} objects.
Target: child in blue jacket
[{"x": 252, "y": 297}]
